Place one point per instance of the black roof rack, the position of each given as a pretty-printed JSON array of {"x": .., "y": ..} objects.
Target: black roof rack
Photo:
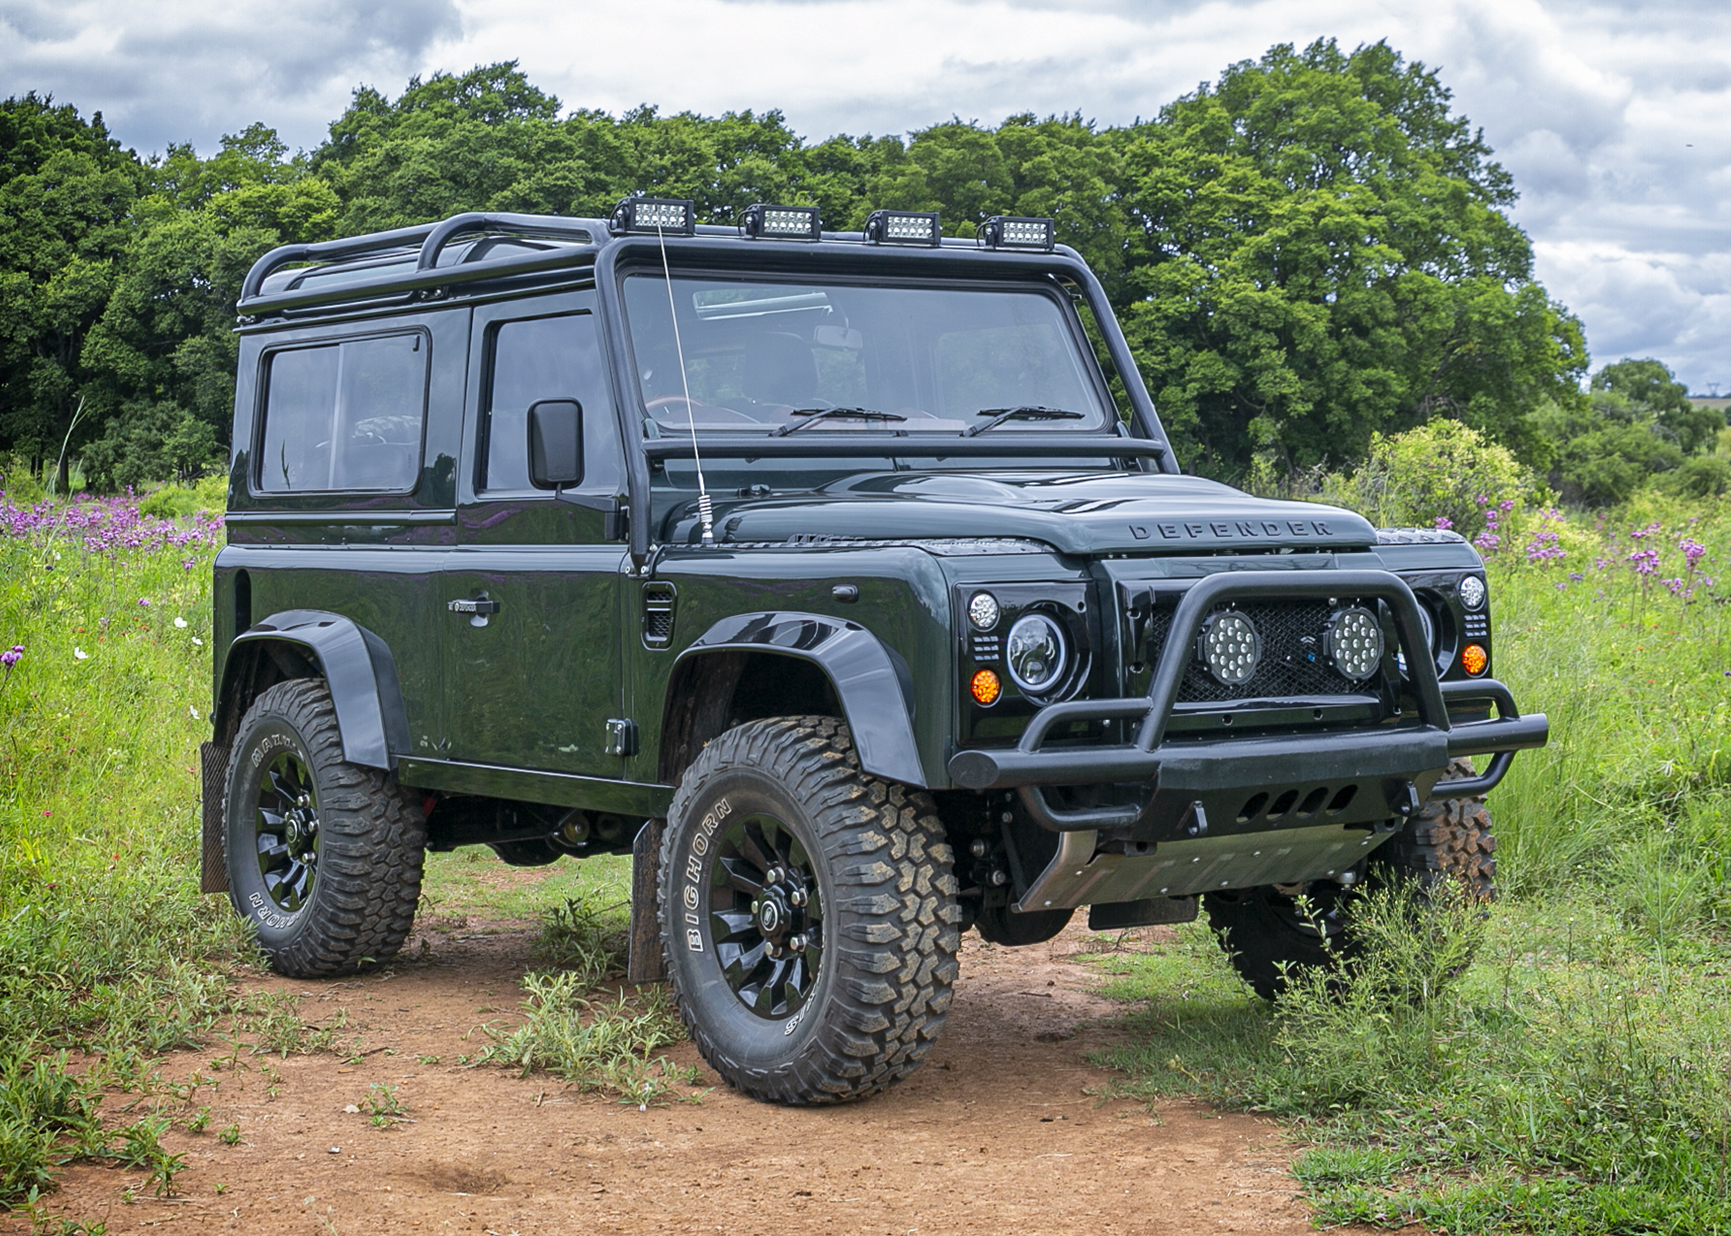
[{"x": 432, "y": 238}]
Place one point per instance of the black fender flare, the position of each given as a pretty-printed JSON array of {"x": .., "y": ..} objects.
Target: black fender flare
[
  {"x": 871, "y": 680},
  {"x": 357, "y": 667}
]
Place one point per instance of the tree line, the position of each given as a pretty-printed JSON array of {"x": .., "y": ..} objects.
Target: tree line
[{"x": 1311, "y": 250}]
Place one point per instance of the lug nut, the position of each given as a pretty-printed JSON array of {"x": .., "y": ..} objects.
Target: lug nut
[
  {"x": 797, "y": 944},
  {"x": 797, "y": 897}
]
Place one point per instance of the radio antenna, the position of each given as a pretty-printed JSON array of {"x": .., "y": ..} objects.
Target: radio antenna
[{"x": 705, "y": 513}]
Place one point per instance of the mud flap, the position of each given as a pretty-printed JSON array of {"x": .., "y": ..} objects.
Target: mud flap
[
  {"x": 213, "y": 769},
  {"x": 644, "y": 963}
]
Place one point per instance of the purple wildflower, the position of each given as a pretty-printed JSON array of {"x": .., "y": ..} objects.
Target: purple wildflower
[
  {"x": 11, "y": 657},
  {"x": 1443, "y": 521},
  {"x": 1645, "y": 561},
  {"x": 1693, "y": 552}
]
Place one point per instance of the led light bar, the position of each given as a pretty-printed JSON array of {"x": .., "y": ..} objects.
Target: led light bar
[
  {"x": 903, "y": 227},
  {"x": 669, "y": 216},
  {"x": 1019, "y": 232},
  {"x": 765, "y": 222}
]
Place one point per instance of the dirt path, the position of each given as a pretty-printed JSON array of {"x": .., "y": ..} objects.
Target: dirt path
[{"x": 996, "y": 1133}]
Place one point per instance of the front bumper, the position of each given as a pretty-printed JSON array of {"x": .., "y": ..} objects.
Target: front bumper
[{"x": 1261, "y": 783}]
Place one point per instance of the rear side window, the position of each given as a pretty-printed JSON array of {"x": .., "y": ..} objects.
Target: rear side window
[{"x": 344, "y": 416}]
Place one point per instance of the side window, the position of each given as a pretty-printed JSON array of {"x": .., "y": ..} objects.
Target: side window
[
  {"x": 344, "y": 416},
  {"x": 547, "y": 358}
]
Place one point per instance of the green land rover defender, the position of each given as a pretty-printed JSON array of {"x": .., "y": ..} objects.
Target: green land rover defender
[{"x": 845, "y": 580}]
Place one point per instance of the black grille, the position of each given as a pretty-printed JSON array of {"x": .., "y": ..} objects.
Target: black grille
[{"x": 1293, "y": 662}]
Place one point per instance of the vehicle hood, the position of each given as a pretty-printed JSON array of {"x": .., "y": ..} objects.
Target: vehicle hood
[{"x": 1087, "y": 513}]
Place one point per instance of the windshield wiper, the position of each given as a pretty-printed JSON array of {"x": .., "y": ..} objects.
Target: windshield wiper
[
  {"x": 838, "y": 414},
  {"x": 1025, "y": 413}
]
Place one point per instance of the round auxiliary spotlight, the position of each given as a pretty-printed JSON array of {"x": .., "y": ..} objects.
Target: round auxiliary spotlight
[
  {"x": 1353, "y": 642},
  {"x": 1230, "y": 646}
]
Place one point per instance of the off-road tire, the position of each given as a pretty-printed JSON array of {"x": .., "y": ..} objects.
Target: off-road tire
[
  {"x": 1263, "y": 931},
  {"x": 371, "y": 839},
  {"x": 877, "y": 866}
]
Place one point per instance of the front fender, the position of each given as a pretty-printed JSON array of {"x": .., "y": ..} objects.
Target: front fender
[
  {"x": 870, "y": 680},
  {"x": 357, "y": 667}
]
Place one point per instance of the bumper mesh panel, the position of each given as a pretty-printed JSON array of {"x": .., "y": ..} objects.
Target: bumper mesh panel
[{"x": 1293, "y": 661}]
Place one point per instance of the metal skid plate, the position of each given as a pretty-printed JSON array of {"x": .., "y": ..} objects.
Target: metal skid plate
[{"x": 1077, "y": 876}]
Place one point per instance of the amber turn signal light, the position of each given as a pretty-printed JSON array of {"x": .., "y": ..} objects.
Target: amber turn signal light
[
  {"x": 986, "y": 687},
  {"x": 1474, "y": 659}
]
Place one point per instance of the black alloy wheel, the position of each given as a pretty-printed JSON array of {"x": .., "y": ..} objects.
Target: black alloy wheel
[
  {"x": 286, "y": 830},
  {"x": 766, "y": 912}
]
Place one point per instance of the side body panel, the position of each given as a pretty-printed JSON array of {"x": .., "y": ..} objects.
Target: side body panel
[
  {"x": 373, "y": 558},
  {"x": 901, "y": 603}
]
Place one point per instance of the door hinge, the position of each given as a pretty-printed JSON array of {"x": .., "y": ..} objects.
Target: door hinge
[{"x": 621, "y": 736}]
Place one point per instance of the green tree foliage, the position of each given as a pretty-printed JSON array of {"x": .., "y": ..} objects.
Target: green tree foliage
[
  {"x": 1306, "y": 253},
  {"x": 1320, "y": 254},
  {"x": 66, "y": 194},
  {"x": 1637, "y": 422}
]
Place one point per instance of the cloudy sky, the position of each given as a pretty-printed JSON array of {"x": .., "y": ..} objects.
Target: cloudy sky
[{"x": 1612, "y": 115}]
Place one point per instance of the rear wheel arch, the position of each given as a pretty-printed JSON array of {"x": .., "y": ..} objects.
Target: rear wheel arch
[{"x": 356, "y": 665}]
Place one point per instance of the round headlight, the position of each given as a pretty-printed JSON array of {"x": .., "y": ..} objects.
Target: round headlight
[
  {"x": 983, "y": 611},
  {"x": 1034, "y": 652},
  {"x": 1472, "y": 591},
  {"x": 1354, "y": 642},
  {"x": 1429, "y": 625},
  {"x": 1231, "y": 647}
]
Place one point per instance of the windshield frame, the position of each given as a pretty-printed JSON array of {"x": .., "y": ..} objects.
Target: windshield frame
[
  {"x": 708, "y": 254},
  {"x": 1081, "y": 353}
]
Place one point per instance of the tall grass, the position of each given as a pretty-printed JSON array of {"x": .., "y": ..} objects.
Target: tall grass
[{"x": 106, "y": 949}]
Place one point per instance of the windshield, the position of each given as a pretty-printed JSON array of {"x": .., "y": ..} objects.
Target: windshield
[{"x": 841, "y": 358}]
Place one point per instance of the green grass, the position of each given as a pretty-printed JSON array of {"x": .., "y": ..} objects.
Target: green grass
[{"x": 1577, "y": 1078}]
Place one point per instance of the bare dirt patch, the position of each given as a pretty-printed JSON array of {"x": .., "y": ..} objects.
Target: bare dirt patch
[{"x": 997, "y": 1132}]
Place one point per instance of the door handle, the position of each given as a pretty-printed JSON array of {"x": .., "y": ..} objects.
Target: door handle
[{"x": 477, "y": 609}]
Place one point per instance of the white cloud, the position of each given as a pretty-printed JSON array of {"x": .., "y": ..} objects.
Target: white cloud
[{"x": 1609, "y": 114}]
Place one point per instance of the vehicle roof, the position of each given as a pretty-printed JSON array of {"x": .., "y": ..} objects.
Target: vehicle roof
[{"x": 478, "y": 251}]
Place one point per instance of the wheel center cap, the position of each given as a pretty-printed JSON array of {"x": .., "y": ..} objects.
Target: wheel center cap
[{"x": 770, "y": 916}]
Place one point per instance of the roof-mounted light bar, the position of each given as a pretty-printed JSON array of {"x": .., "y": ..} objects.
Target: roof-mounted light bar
[
  {"x": 903, "y": 227},
  {"x": 667, "y": 216},
  {"x": 1019, "y": 232},
  {"x": 764, "y": 222}
]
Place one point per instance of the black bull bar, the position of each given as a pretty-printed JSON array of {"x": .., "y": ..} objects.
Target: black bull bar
[{"x": 1406, "y": 759}]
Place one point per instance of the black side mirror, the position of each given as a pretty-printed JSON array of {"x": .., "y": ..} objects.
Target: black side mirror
[{"x": 555, "y": 443}]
